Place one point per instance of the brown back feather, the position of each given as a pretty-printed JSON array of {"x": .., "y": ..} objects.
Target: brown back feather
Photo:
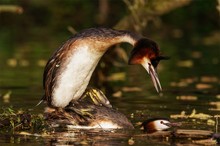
[{"x": 52, "y": 69}]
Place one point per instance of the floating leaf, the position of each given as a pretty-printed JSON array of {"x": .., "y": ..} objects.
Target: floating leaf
[
  {"x": 24, "y": 133},
  {"x": 193, "y": 115},
  {"x": 11, "y": 8},
  {"x": 209, "y": 141},
  {"x": 185, "y": 63},
  {"x": 178, "y": 84},
  {"x": 120, "y": 76},
  {"x": 211, "y": 122},
  {"x": 6, "y": 97},
  {"x": 203, "y": 86},
  {"x": 187, "y": 97},
  {"x": 117, "y": 94},
  {"x": 131, "y": 141},
  {"x": 41, "y": 62},
  {"x": 131, "y": 89},
  {"x": 212, "y": 39},
  {"x": 209, "y": 79},
  {"x": 12, "y": 62},
  {"x": 216, "y": 104}
]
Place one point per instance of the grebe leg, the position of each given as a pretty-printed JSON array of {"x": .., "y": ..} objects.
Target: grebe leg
[
  {"x": 83, "y": 112},
  {"x": 97, "y": 96}
]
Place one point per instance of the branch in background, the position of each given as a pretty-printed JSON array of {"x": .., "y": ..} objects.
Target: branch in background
[
  {"x": 103, "y": 11},
  {"x": 71, "y": 29},
  {"x": 218, "y": 6},
  {"x": 143, "y": 11},
  {"x": 161, "y": 7},
  {"x": 11, "y": 8}
]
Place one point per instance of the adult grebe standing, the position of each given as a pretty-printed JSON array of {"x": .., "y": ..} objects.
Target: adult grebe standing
[{"x": 68, "y": 71}]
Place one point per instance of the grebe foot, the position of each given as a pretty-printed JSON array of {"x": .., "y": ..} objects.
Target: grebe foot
[
  {"x": 86, "y": 112},
  {"x": 97, "y": 96}
]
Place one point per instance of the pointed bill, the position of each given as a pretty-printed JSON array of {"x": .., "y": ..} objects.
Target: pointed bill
[{"x": 153, "y": 74}]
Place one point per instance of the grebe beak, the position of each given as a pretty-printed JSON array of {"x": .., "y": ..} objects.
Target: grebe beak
[{"x": 153, "y": 74}]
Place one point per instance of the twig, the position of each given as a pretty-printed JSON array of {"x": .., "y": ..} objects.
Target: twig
[{"x": 11, "y": 8}]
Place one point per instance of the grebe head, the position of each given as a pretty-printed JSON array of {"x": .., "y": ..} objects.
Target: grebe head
[
  {"x": 156, "y": 124},
  {"x": 147, "y": 53}
]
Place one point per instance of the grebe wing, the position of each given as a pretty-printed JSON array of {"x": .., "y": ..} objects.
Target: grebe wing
[{"x": 51, "y": 72}]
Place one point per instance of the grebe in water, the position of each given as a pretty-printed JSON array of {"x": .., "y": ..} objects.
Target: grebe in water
[
  {"x": 68, "y": 71},
  {"x": 158, "y": 124}
]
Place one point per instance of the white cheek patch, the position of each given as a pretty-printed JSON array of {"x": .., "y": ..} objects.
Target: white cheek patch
[
  {"x": 161, "y": 124},
  {"x": 145, "y": 63},
  {"x": 75, "y": 77}
]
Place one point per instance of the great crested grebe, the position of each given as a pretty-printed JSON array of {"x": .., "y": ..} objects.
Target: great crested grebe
[
  {"x": 158, "y": 124},
  {"x": 97, "y": 116},
  {"x": 68, "y": 71}
]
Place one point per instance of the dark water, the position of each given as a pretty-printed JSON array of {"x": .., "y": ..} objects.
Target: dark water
[{"x": 190, "y": 80}]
